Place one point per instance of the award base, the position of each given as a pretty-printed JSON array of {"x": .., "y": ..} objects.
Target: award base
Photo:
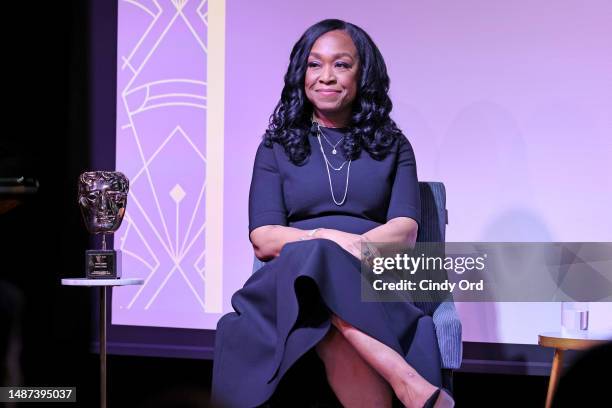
[{"x": 103, "y": 264}]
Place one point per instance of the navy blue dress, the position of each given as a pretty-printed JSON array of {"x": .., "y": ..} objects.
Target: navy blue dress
[{"x": 283, "y": 310}]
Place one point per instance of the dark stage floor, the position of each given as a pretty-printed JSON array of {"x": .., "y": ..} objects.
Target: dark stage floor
[{"x": 165, "y": 382}]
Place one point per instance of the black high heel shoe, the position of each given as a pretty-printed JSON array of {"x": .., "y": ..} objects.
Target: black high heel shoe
[{"x": 439, "y": 399}]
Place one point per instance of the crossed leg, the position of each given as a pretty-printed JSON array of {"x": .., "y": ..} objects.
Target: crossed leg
[
  {"x": 389, "y": 368},
  {"x": 355, "y": 383}
]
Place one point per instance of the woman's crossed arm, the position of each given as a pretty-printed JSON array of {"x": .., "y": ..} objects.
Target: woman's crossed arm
[{"x": 268, "y": 240}]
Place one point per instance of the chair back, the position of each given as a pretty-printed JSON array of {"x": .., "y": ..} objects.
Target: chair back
[
  {"x": 434, "y": 215},
  {"x": 434, "y": 218}
]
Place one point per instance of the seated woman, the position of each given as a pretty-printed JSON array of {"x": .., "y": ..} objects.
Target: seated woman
[{"x": 332, "y": 171}]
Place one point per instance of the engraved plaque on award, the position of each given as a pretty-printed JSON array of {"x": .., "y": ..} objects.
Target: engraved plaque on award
[{"x": 102, "y": 198}]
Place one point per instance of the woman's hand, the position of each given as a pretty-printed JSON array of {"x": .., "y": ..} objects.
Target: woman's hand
[{"x": 349, "y": 242}]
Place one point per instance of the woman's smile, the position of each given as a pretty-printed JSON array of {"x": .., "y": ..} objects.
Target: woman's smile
[{"x": 328, "y": 92}]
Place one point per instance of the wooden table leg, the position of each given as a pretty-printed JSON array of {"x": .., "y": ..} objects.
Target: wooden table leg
[{"x": 555, "y": 373}]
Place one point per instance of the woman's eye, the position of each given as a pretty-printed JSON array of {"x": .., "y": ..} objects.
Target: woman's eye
[
  {"x": 343, "y": 65},
  {"x": 313, "y": 64}
]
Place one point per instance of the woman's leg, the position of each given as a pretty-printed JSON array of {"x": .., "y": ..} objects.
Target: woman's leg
[
  {"x": 354, "y": 382},
  {"x": 411, "y": 389}
]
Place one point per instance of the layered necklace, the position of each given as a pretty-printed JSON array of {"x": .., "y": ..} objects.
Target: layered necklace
[
  {"x": 334, "y": 151},
  {"x": 329, "y": 165}
]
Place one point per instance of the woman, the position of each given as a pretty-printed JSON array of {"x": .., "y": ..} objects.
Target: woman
[{"x": 332, "y": 171}]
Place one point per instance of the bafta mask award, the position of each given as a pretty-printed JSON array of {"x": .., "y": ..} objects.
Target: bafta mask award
[{"x": 103, "y": 197}]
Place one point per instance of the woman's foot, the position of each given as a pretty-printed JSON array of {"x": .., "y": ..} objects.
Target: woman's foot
[
  {"x": 416, "y": 392},
  {"x": 439, "y": 399},
  {"x": 413, "y": 390}
]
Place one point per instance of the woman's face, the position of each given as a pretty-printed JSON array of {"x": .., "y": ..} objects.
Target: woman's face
[{"x": 331, "y": 75}]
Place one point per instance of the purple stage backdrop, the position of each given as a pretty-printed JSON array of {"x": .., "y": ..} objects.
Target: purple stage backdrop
[{"x": 509, "y": 103}]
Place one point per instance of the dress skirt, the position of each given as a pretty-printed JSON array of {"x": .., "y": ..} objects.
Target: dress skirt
[{"x": 283, "y": 311}]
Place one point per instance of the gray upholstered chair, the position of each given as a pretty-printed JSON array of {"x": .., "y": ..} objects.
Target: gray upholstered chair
[{"x": 434, "y": 218}]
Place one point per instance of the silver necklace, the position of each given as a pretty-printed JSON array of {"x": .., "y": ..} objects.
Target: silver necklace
[
  {"x": 328, "y": 165},
  {"x": 334, "y": 151},
  {"x": 331, "y": 165}
]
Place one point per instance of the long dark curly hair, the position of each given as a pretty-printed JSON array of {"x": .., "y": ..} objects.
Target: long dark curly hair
[{"x": 370, "y": 127}]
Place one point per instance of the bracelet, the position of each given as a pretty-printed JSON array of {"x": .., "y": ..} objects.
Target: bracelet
[
  {"x": 310, "y": 234},
  {"x": 314, "y": 231}
]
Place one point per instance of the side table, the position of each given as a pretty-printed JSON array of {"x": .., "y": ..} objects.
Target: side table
[
  {"x": 102, "y": 284},
  {"x": 561, "y": 341}
]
